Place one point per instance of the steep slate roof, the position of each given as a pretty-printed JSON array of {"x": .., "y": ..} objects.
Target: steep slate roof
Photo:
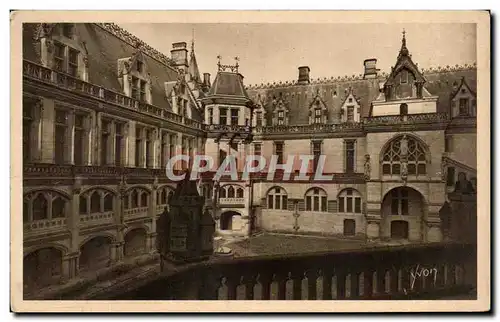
[
  {"x": 106, "y": 44},
  {"x": 333, "y": 91},
  {"x": 228, "y": 84}
]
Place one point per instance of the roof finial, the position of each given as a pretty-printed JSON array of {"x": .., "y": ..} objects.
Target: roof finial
[
  {"x": 404, "y": 51},
  {"x": 192, "y": 42}
]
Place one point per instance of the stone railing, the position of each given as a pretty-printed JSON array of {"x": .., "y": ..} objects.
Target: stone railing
[
  {"x": 426, "y": 271},
  {"x": 69, "y": 82},
  {"x": 45, "y": 224},
  {"x": 97, "y": 219},
  {"x": 45, "y": 170},
  {"x": 222, "y": 128},
  {"x": 403, "y": 119},
  {"x": 136, "y": 212},
  {"x": 231, "y": 201},
  {"x": 309, "y": 128}
]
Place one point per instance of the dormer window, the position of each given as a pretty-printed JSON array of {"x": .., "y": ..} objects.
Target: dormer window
[
  {"x": 59, "y": 56},
  {"x": 259, "y": 118},
  {"x": 234, "y": 116},
  {"x": 404, "y": 76},
  {"x": 350, "y": 99},
  {"x": 350, "y": 113},
  {"x": 281, "y": 118},
  {"x": 140, "y": 66},
  {"x": 463, "y": 108},
  {"x": 72, "y": 62},
  {"x": 68, "y": 30},
  {"x": 139, "y": 89},
  {"x": 317, "y": 116}
]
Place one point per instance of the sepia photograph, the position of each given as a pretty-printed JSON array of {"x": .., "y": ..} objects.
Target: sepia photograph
[{"x": 334, "y": 157}]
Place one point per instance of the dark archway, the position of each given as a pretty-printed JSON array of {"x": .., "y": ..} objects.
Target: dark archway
[
  {"x": 41, "y": 268},
  {"x": 403, "y": 201},
  {"x": 227, "y": 220},
  {"x": 399, "y": 229},
  {"x": 135, "y": 242},
  {"x": 95, "y": 254}
]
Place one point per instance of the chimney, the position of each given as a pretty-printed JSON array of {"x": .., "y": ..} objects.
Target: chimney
[
  {"x": 304, "y": 75},
  {"x": 206, "y": 79},
  {"x": 370, "y": 68},
  {"x": 179, "y": 55}
]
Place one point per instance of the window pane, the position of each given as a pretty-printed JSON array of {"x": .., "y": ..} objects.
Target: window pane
[
  {"x": 316, "y": 203},
  {"x": 396, "y": 168},
  {"x": 412, "y": 168},
  {"x": 421, "y": 168},
  {"x": 323, "y": 204},
  {"x": 308, "y": 203},
  {"x": 284, "y": 204},
  {"x": 341, "y": 205},
  {"x": 278, "y": 202},
  {"x": 386, "y": 168},
  {"x": 349, "y": 204},
  {"x": 270, "y": 202},
  {"x": 357, "y": 205}
]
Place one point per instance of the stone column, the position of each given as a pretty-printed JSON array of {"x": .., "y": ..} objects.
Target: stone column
[
  {"x": 131, "y": 144},
  {"x": 97, "y": 141},
  {"x": 47, "y": 131},
  {"x": 69, "y": 150},
  {"x": 432, "y": 225},
  {"x": 70, "y": 264},
  {"x": 111, "y": 151},
  {"x": 374, "y": 229}
]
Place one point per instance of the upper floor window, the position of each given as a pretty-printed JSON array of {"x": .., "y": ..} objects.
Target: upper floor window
[
  {"x": 28, "y": 131},
  {"x": 317, "y": 116},
  {"x": 278, "y": 150},
  {"x": 210, "y": 116},
  {"x": 259, "y": 118},
  {"x": 463, "y": 107},
  {"x": 72, "y": 62},
  {"x": 281, "y": 118},
  {"x": 59, "y": 55},
  {"x": 412, "y": 150},
  {"x": 350, "y": 201},
  {"x": 277, "y": 199},
  {"x": 61, "y": 136},
  {"x": 316, "y": 147},
  {"x": 404, "y": 76},
  {"x": 316, "y": 200},
  {"x": 65, "y": 59},
  {"x": 350, "y": 113},
  {"x": 349, "y": 156},
  {"x": 68, "y": 30},
  {"x": 223, "y": 116},
  {"x": 234, "y": 116},
  {"x": 138, "y": 89},
  {"x": 139, "y": 66}
]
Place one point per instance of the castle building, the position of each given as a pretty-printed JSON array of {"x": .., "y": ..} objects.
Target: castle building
[{"x": 103, "y": 112}]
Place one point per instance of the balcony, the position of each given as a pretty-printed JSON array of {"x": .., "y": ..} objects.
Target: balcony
[
  {"x": 424, "y": 118},
  {"x": 422, "y": 271},
  {"x": 68, "y": 82},
  {"x": 44, "y": 225},
  {"x": 231, "y": 202},
  {"x": 104, "y": 218},
  {"x": 310, "y": 128},
  {"x": 134, "y": 213}
]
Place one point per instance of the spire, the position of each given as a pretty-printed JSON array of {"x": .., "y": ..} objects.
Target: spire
[
  {"x": 404, "y": 51},
  {"x": 193, "y": 65}
]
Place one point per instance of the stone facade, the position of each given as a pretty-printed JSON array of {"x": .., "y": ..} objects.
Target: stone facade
[{"x": 103, "y": 112}]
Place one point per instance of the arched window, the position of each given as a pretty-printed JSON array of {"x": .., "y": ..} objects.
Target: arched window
[
  {"x": 144, "y": 199},
  {"x": 134, "y": 199},
  {"x": 108, "y": 202},
  {"x": 95, "y": 202},
  {"x": 222, "y": 192},
  {"x": 349, "y": 201},
  {"x": 277, "y": 199},
  {"x": 230, "y": 192},
  {"x": 239, "y": 193},
  {"x": 40, "y": 207},
  {"x": 316, "y": 200},
  {"x": 58, "y": 208},
  {"x": 415, "y": 154},
  {"x": 83, "y": 205}
]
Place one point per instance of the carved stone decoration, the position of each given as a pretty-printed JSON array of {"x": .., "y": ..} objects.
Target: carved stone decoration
[
  {"x": 155, "y": 182},
  {"x": 404, "y": 146},
  {"x": 50, "y": 45},
  {"x": 368, "y": 167},
  {"x": 443, "y": 169},
  {"x": 404, "y": 171},
  {"x": 86, "y": 61},
  {"x": 463, "y": 185}
]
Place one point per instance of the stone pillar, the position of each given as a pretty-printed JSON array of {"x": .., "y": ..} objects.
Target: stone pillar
[
  {"x": 70, "y": 264},
  {"x": 47, "y": 131},
  {"x": 69, "y": 151},
  {"x": 131, "y": 144},
  {"x": 374, "y": 222},
  {"x": 97, "y": 131},
  {"x": 432, "y": 225},
  {"x": 111, "y": 151}
]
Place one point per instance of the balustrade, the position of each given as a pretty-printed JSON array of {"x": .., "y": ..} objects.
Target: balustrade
[
  {"x": 97, "y": 219},
  {"x": 45, "y": 224},
  {"x": 401, "y": 272},
  {"x": 136, "y": 212}
]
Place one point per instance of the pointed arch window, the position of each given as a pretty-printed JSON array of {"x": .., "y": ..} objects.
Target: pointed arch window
[
  {"x": 40, "y": 207},
  {"x": 58, "y": 208},
  {"x": 415, "y": 155},
  {"x": 108, "y": 202},
  {"x": 95, "y": 202}
]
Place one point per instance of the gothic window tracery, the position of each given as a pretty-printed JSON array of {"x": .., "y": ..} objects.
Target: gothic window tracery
[
  {"x": 316, "y": 200},
  {"x": 277, "y": 199},
  {"x": 397, "y": 156}
]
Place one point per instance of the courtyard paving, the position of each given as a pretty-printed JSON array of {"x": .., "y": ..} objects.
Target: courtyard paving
[{"x": 283, "y": 244}]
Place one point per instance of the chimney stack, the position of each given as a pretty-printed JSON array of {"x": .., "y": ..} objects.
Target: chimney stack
[
  {"x": 304, "y": 75},
  {"x": 370, "y": 68},
  {"x": 206, "y": 79},
  {"x": 179, "y": 55}
]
